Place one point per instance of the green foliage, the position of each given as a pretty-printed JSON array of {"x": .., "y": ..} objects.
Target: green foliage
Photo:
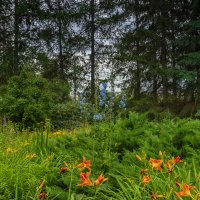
[
  {"x": 66, "y": 115},
  {"x": 27, "y": 159},
  {"x": 191, "y": 59},
  {"x": 30, "y": 98},
  {"x": 142, "y": 105}
]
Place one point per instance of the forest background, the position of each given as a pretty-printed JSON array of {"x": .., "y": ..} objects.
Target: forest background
[{"x": 52, "y": 51}]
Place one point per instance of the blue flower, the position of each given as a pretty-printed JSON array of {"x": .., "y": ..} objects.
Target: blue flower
[
  {"x": 122, "y": 103},
  {"x": 103, "y": 94},
  {"x": 101, "y": 102},
  {"x": 84, "y": 99},
  {"x": 104, "y": 85},
  {"x": 98, "y": 117}
]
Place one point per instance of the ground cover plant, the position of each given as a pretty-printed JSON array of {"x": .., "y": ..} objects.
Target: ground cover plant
[{"x": 132, "y": 159}]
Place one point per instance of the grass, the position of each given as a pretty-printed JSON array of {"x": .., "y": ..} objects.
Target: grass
[{"x": 43, "y": 165}]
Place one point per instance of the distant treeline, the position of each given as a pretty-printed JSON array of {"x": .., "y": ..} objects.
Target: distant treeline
[{"x": 153, "y": 45}]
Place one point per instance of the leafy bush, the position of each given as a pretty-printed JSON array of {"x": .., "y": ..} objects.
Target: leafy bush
[
  {"x": 29, "y": 98},
  {"x": 66, "y": 115}
]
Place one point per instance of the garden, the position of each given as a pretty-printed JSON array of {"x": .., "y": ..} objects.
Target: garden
[
  {"x": 99, "y": 100},
  {"x": 133, "y": 158}
]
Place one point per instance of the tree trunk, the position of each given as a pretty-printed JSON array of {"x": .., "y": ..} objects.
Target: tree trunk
[
  {"x": 61, "y": 65},
  {"x": 92, "y": 56},
  {"x": 76, "y": 74},
  {"x": 137, "y": 75},
  {"x": 16, "y": 39},
  {"x": 174, "y": 83},
  {"x": 4, "y": 123},
  {"x": 75, "y": 85},
  {"x": 155, "y": 88},
  {"x": 163, "y": 56},
  {"x": 155, "y": 82},
  {"x": 198, "y": 82}
]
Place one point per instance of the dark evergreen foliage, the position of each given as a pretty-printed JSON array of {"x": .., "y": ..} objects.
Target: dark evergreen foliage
[{"x": 153, "y": 46}]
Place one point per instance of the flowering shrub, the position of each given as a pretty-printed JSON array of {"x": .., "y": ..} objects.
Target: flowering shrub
[{"x": 107, "y": 106}]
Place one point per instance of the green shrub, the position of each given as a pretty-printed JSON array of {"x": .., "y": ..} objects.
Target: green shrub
[
  {"x": 66, "y": 115},
  {"x": 29, "y": 98}
]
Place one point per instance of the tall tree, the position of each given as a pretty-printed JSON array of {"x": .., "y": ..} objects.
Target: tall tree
[
  {"x": 92, "y": 54},
  {"x": 16, "y": 37}
]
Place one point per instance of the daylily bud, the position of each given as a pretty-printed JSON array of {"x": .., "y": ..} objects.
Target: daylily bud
[
  {"x": 138, "y": 157},
  {"x": 160, "y": 154}
]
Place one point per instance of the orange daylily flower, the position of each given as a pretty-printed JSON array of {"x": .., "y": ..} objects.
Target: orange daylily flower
[
  {"x": 100, "y": 180},
  {"x": 185, "y": 191},
  {"x": 85, "y": 164},
  {"x": 156, "y": 164},
  {"x": 155, "y": 196},
  {"x": 177, "y": 160},
  {"x": 171, "y": 163},
  {"x": 85, "y": 179},
  {"x": 146, "y": 179}
]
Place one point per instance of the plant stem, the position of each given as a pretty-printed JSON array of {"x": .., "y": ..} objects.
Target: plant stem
[{"x": 70, "y": 186}]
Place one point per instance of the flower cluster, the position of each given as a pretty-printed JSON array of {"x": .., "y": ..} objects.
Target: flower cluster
[
  {"x": 156, "y": 164},
  {"x": 106, "y": 108},
  {"x": 10, "y": 150},
  {"x": 85, "y": 164},
  {"x": 185, "y": 190},
  {"x": 84, "y": 169},
  {"x": 85, "y": 177},
  {"x": 122, "y": 103},
  {"x": 147, "y": 175},
  {"x": 103, "y": 98},
  {"x": 30, "y": 156},
  {"x": 98, "y": 117},
  {"x": 59, "y": 132}
]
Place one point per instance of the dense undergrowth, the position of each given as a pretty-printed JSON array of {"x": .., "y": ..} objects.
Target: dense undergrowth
[{"x": 139, "y": 159}]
